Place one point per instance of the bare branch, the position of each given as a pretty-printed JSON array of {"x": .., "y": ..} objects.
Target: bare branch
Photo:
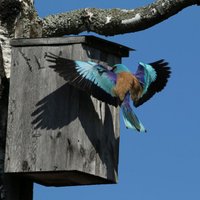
[{"x": 113, "y": 21}]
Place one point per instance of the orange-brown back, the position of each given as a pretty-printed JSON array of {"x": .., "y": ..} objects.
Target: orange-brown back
[{"x": 127, "y": 82}]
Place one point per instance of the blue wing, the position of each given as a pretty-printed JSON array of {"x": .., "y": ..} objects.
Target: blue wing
[
  {"x": 89, "y": 76},
  {"x": 153, "y": 78}
]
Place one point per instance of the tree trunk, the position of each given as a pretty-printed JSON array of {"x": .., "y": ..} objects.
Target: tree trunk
[
  {"x": 3, "y": 122},
  {"x": 17, "y": 19}
]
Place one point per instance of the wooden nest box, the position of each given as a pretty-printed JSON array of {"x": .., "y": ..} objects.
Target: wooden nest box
[{"x": 58, "y": 135}]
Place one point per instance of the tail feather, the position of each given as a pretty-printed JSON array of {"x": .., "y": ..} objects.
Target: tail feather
[{"x": 130, "y": 119}]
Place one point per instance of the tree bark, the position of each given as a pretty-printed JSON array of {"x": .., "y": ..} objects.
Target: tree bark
[
  {"x": 110, "y": 22},
  {"x": 3, "y": 122},
  {"x": 17, "y": 19}
]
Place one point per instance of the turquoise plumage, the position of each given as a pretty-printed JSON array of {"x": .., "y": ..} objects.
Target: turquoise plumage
[
  {"x": 118, "y": 68},
  {"x": 95, "y": 73},
  {"x": 115, "y": 85},
  {"x": 130, "y": 119},
  {"x": 153, "y": 77},
  {"x": 149, "y": 76}
]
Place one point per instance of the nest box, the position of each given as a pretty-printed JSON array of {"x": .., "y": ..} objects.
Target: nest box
[{"x": 58, "y": 135}]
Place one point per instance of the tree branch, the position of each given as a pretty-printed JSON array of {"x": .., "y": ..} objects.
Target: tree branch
[{"x": 113, "y": 21}]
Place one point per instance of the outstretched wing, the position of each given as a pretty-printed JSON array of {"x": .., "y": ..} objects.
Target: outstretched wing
[
  {"x": 153, "y": 77},
  {"x": 88, "y": 76}
]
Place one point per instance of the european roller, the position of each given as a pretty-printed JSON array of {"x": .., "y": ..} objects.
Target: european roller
[{"x": 115, "y": 85}]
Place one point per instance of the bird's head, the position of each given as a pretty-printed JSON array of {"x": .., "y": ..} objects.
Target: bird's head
[{"x": 118, "y": 68}]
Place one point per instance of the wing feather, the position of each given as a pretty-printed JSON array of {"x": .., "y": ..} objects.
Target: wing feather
[
  {"x": 155, "y": 78},
  {"x": 89, "y": 76}
]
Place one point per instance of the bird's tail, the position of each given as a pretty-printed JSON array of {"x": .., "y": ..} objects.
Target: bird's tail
[{"x": 130, "y": 119}]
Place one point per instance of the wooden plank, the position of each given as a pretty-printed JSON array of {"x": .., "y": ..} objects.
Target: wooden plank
[
  {"x": 108, "y": 47},
  {"x": 12, "y": 187},
  {"x": 98, "y": 43},
  {"x": 59, "y": 128},
  {"x": 47, "y": 41},
  {"x": 73, "y": 178}
]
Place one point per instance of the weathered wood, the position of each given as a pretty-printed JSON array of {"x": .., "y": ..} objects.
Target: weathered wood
[
  {"x": 3, "y": 121},
  {"x": 97, "y": 43},
  {"x": 58, "y": 135},
  {"x": 11, "y": 187}
]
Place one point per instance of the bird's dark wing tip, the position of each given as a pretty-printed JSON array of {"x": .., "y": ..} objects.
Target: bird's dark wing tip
[
  {"x": 67, "y": 69},
  {"x": 163, "y": 72}
]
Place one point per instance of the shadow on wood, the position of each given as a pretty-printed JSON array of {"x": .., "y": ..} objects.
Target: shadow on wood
[
  {"x": 54, "y": 112},
  {"x": 64, "y": 136}
]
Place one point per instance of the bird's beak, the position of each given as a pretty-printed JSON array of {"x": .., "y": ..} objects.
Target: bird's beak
[
  {"x": 141, "y": 63},
  {"x": 113, "y": 68}
]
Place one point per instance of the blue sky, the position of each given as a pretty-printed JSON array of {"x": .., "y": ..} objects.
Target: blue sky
[{"x": 165, "y": 162}]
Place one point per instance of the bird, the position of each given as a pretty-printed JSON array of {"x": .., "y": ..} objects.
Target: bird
[{"x": 115, "y": 85}]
